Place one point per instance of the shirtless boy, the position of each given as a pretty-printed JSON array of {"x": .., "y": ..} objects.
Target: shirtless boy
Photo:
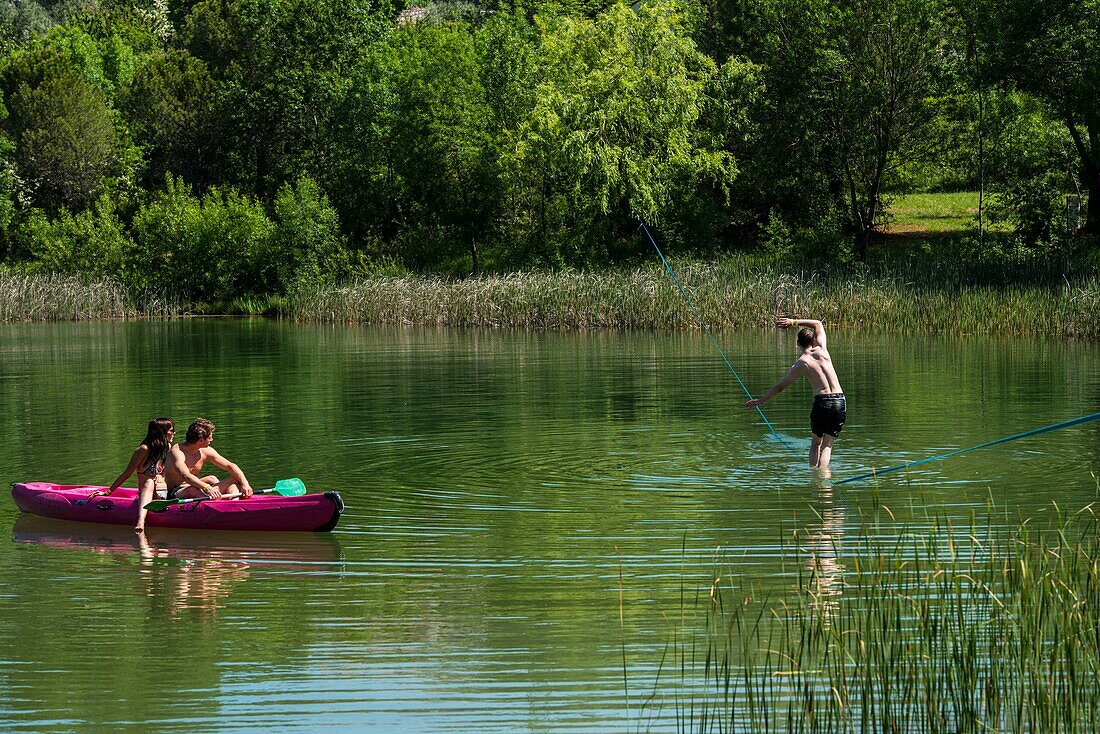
[
  {"x": 186, "y": 460},
  {"x": 830, "y": 410}
]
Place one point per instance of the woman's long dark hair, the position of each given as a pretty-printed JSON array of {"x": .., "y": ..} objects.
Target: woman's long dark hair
[{"x": 157, "y": 439}]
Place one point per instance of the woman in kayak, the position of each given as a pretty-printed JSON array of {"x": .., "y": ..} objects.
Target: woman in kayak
[{"x": 148, "y": 461}]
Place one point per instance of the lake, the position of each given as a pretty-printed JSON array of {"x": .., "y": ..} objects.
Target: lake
[{"x": 529, "y": 515}]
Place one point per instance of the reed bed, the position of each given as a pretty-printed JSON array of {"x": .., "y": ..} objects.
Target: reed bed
[
  {"x": 54, "y": 297},
  {"x": 728, "y": 294},
  {"x": 988, "y": 628}
]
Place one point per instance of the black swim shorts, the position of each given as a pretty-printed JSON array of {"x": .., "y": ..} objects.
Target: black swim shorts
[{"x": 828, "y": 414}]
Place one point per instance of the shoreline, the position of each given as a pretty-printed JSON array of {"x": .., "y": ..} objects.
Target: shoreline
[{"x": 728, "y": 294}]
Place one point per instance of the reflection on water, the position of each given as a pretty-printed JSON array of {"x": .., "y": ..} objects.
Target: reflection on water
[
  {"x": 199, "y": 585},
  {"x": 824, "y": 543},
  {"x": 186, "y": 571},
  {"x": 496, "y": 483}
]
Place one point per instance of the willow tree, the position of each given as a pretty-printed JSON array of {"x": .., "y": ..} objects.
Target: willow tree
[{"x": 614, "y": 127}]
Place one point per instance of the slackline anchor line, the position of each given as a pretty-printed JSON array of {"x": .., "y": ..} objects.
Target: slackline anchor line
[
  {"x": 706, "y": 329},
  {"x": 1025, "y": 434}
]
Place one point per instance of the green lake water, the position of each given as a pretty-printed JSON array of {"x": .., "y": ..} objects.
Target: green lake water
[{"x": 504, "y": 490}]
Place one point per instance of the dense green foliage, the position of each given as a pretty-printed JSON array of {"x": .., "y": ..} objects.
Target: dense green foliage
[{"x": 207, "y": 150}]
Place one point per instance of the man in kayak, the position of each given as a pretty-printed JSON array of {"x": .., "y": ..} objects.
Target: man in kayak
[
  {"x": 830, "y": 409},
  {"x": 186, "y": 460}
]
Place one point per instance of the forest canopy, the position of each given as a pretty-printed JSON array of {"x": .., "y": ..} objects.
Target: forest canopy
[{"x": 218, "y": 148}]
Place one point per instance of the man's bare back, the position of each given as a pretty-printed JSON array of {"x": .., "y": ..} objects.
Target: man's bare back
[{"x": 817, "y": 366}]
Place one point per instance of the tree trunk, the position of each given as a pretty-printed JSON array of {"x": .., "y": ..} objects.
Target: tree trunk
[
  {"x": 981, "y": 172},
  {"x": 863, "y": 237},
  {"x": 1092, "y": 212},
  {"x": 1090, "y": 170}
]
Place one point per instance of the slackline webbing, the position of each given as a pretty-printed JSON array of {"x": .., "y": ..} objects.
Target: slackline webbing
[
  {"x": 699, "y": 317},
  {"x": 987, "y": 444}
]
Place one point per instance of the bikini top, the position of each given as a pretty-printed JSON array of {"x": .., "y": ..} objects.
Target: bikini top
[{"x": 152, "y": 467}]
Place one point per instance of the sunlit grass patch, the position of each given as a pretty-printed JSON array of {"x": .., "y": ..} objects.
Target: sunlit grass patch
[{"x": 937, "y": 214}]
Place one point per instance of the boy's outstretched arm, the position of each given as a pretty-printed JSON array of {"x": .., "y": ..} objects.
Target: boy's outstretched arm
[{"x": 779, "y": 387}]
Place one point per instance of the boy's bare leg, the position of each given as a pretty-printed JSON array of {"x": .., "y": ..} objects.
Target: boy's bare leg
[
  {"x": 815, "y": 449},
  {"x": 826, "y": 451},
  {"x": 226, "y": 486}
]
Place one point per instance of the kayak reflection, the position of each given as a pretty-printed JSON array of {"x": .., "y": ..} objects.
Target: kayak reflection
[
  {"x": 187, "y": 573},
  {"x": 290, "y": 551}
]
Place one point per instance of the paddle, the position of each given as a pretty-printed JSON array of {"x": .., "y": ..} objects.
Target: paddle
[{"x": 293, "y": 487}]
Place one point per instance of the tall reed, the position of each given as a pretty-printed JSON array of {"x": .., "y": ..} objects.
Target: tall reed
[
  {"x": 988, "y": 628},
  {"x": 53, "y": 297},
  {"x": 733, "y": 293},
  {"x": 58, "y": 297}
]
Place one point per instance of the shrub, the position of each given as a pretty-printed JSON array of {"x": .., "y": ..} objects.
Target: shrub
[
  {"x": 90, "y": 243},
  {"x": 210, "y": 249},
  {"x": 307, "y": 243}
]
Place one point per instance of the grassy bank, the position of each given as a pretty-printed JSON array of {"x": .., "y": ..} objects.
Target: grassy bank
[
  {"x": 990, "y": 627},
  {"x": 1038, "y": 299},
  {"x": 1039, "y": 296}
]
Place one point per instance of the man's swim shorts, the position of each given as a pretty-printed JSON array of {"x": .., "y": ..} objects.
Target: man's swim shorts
[{"x": 828, "y": 414}]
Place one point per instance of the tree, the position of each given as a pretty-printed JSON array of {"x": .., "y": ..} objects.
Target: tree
[
  {"x": 64, "y": 132},
  {"x": 878, "y": 74},
  {"x": 614, "y": 127},
  {"x": 170, "y": 107},
  {"x": 202, "y": 249},
  {"x": 7, "y": 185},
  {"x": 280, "y": 68},
  {"x": 307, "y": 242},
  {"x": 89, "y": 243},
  {"x": 21, "y": 21},
  {"x": 783, "y": 150},
  {"x": 1049, "y": 49},
  {"x": 419, "y": 167},
  {"x": 444, "y": 153}
]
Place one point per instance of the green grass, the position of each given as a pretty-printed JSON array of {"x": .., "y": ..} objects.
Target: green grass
[
  {"x": 990, "y": 627},
  {"x": 937, "y": 214}
]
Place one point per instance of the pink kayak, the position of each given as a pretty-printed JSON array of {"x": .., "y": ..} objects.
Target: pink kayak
[{"x": 310, "y": 512}]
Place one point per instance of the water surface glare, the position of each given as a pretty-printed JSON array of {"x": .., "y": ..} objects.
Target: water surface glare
[{"x": 504, "y": 491}]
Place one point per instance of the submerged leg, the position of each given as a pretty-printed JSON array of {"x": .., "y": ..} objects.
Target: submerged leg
[
  {"x": 815, "y": 448},
  {"x": 826, "y": 451}
]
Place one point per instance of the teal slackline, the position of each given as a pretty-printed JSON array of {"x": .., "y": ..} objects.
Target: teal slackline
[
  {"x": 1025, "y": 434},
  {"x": 699, "y": 318}
]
